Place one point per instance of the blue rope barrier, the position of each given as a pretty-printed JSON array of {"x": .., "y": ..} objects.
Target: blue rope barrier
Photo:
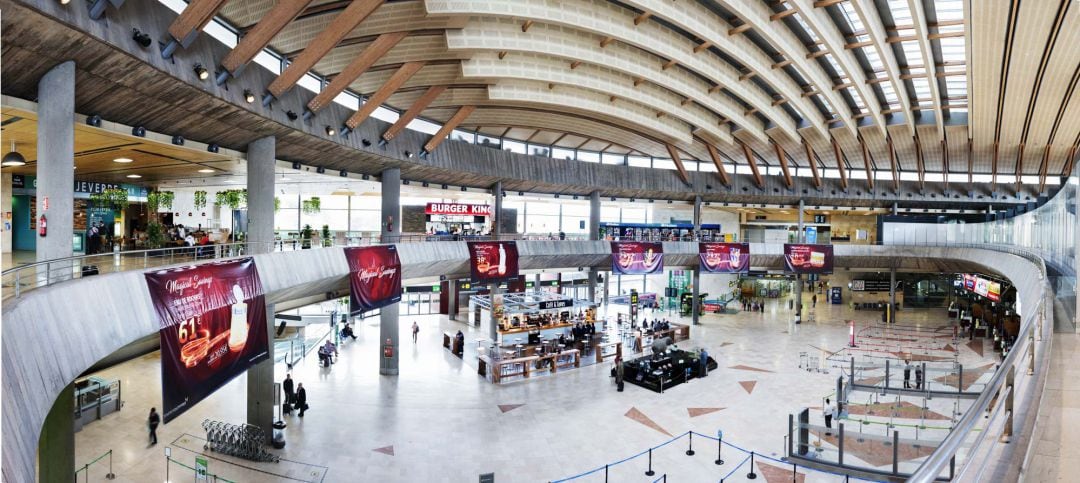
[
  {"x": 662, "y": 477},
  {"x": 736, "y": 468},
  {"x": 587, "y": 473}
]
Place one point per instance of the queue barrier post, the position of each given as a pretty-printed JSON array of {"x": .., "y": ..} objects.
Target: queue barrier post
[
  {"x": 690, "y": 449},
  {"x": 650, "y": 472},
  {"x": 110, "y": 475},
  {"x": 719, "y": 449},
  {"x": 605, "y": 473},
  {"x": 751, "y": 475}
]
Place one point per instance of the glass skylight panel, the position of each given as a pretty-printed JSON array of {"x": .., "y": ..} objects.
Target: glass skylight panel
[
  {"x": 856, "y": 98},
  {"x": 956, "y": 86},
  {"x": 835, "y": 66},
  {"x": 901, "y": 12},
  {"x": 806, "y": 28},
  {"x": 889, "y": 92},
  {"x": 851, "y": 16},
  {"x": 949, "y": 10}
]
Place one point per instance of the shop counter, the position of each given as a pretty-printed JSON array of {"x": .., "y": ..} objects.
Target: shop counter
[
  {"x": 546, "y": 332},
  {"x": 677, "y": 332},
  {"x": 527, "y": 365}
]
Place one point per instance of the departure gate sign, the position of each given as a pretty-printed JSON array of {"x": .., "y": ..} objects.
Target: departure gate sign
[{"x": 457, "y": 209}]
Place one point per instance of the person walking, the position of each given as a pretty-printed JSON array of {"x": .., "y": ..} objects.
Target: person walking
[
  {"x": 813, "y": 301},
  {"x": 415, "y": 330},
  {"x": 619, "y": 373},
  {"x": 907, "y": 374},
  {"x": 153, "y": 422},
  {"x": 704, "y": 363},
  {"x": 830, "y": 411},
  {"x": 918, "y": 377},
  {"x": 301, "y": 398},
  {"x": 290, "y": 393}
]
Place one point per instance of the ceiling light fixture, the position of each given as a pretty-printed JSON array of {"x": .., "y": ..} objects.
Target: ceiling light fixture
[
  {"x": 249, "y": 96},
  {"x": 206, "y": 170},
  {"x": 14, "y": 158},
  {"x": 201, "y": 72},
  {"x": 330, "y": 131},
  {"x": 123, "y": 160},
  {"x": 134, "y": 176}
]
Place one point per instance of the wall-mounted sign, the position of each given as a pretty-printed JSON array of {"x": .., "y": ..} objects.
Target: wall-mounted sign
[
  {"x": 555, "y": 304},
  {"x": 637, "y": 258},
  {"x": 457, "y": 209},
  {"x": 800, "y": 258},
  {"x": 724, "y": 257},
  {"x": 212, "y": 320},
  {"x": 493, "y": 261}
]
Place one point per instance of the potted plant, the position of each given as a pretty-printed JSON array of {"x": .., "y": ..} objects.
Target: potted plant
[
  {"x": 326, "y": 240},
  {"x": 232, "y": 198},
  {"x": 156, "y": 200},
  {"x": 155, "y": 235},
  {"x": 312, "y": 206},
  {"x": 305, "y": 236}
]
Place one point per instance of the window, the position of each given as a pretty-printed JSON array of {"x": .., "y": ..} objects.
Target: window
[
  {"x": 488, "y": 141},
  {"x": 639, "y": 161},
  {"x": 588, "y": 156},
  {"x": 466, "y": 136},
  {"x": 514, "y": 146},
  {"x": 660, "y": 163},
  {"x": 608, "y": 158},
  {"x": 538, "y": 150},
  {"x": 561, "y": 153}
]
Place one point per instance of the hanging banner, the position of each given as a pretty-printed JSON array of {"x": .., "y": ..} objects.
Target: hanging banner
[
  {"x": 724, "y": 257},
  {"x": 492, "y": 262},
  {"x": 637, "y": 258},
  {"x": 802, "y": 258},
  {"x": 212, "y": 320},
  {"x": 374, "y": 277}
]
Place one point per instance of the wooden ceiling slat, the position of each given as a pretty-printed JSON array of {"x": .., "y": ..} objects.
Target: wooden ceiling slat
[
  {"x": 361, "y": 63},
  {"x": 342, "y": 25},
  {"x": 719, "y": 163},
  {"x": 444, "y": 131},
  {"x": 414, "y": 110},
  {"x": 193, "y": 19},
  {"x": 782, "y": 159},
  {"x": 840, "y": 165},
  {"x": 674, "y": 153},
  {"x": 813, "y": 163},
  {"x": 252, "y": 43},
  {"x": 753, "y": 165},
  {"x": 380, "y": 96}
]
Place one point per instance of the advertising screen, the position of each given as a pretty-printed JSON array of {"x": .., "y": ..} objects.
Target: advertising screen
[
  {"x": 969, "y": 282},
  {"x": 493, "y": 261},
  {"x": 212, "y": 320},
  {"x": 637, "y": 258},
  {"x": 724, "y": 257},
  {"x": 374, "y": 277},
  {"x": 800, "y": 258}
]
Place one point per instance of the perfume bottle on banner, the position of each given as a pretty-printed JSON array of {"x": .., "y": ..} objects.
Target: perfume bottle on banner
[
  {"x": 502, "y": 260},
  {"x": 238, "y": 327}
]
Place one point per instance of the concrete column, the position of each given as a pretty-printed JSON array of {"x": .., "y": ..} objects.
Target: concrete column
[
  {"x": 5, "y": 207},
  {"x": 391, "y": 231},
  {"x": 497, "y": 192},
  {"x": 493, "y": 326},
  {"x": 391, "y": 205},
  {"x": 696, "y": 304},
  {"x": 697, "y": 214},
  {"x": 892, "y": 292},
  {"x": 56, "y": 447},
  {"x": 55, "y": 167},
  {"x": 594, "y": 215},
  {"x": 260, "y": 385},
  {"x": 261, "y": 156},
  {"x": 800, "y": 237},
  {"x": 452, "y": 299},
  {"x": 594, "y": 234}
]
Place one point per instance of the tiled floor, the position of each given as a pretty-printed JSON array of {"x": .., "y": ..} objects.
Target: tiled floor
[
  {"x": 1055, "y": 457},
  {"x": 439, "y": 421}
]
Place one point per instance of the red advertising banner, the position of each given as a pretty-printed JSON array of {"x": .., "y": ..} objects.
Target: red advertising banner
[
  {"x": 495, "y": 261},
  {"x": 803, "y": 258},
  {"x": 374, "y": 277},
  {"x": 724, "y": 257},
  {"x": 212, "y": 321},
  {"x": 457, "y": 209},
  {"x": 969, "y": 282},
  {"x": 637, "y": 258},
  {"x": 981, "y": 286}
]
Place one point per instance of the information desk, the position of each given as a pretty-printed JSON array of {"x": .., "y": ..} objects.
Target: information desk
[
  {"x": 524, "y": 366},
  {"x": 666, "y": 370},
  {"x": 677, "y": 332}
]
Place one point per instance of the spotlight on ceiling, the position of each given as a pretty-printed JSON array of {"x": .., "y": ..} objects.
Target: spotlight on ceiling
[
  {"x": 14, "y": 158},
  {"x": 343, "y": 173},
  {"x": 296, "y": 165},
  {"x": 94, "y": 121},
  {"x": 201, "y": 72},
  {"x": 405, "y": 181},
  {"x": 365, "y": 142},
  {"x": 138, "y": 131},
  {"x": 330, "y": 131},
  {"x": 424, "y": 184},
  {"x": 408, "y": 154},
  {"x": 464, "y": 188},
  {"x": 139, "y": 37},
  {"x": 445, "y": 186},
  {"x": 178, "y": 140},
  {"x": 320, "y": 170},
  {"x": 213, "y": 148},
  {"x": 291, "y": 115},
  {"x": 249, "y": 96},
  {"x": 365, "y": 177}
]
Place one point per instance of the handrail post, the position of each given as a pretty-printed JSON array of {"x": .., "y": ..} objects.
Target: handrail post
[
  {"x": 895, "y": 452},
  {"x": 18, "y": 282},
  {"x": 48, "y": 273},
  {"x": 1031, "y": 351},
  {"x": 1007, "y": 428},
  {"x": 840, "y": 458}
]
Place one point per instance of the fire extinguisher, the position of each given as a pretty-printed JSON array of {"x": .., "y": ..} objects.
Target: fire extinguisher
[
  {"x": 390, "y": 224},
  {"x": 388, "y": 349},
  {"x": 41, "y": 226}
]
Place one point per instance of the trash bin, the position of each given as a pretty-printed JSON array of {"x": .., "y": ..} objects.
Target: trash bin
[{"x": 278, "y": 440}]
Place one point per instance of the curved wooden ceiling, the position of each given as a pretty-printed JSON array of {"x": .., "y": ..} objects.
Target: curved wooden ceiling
[{"x": 931, "y": 89}]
